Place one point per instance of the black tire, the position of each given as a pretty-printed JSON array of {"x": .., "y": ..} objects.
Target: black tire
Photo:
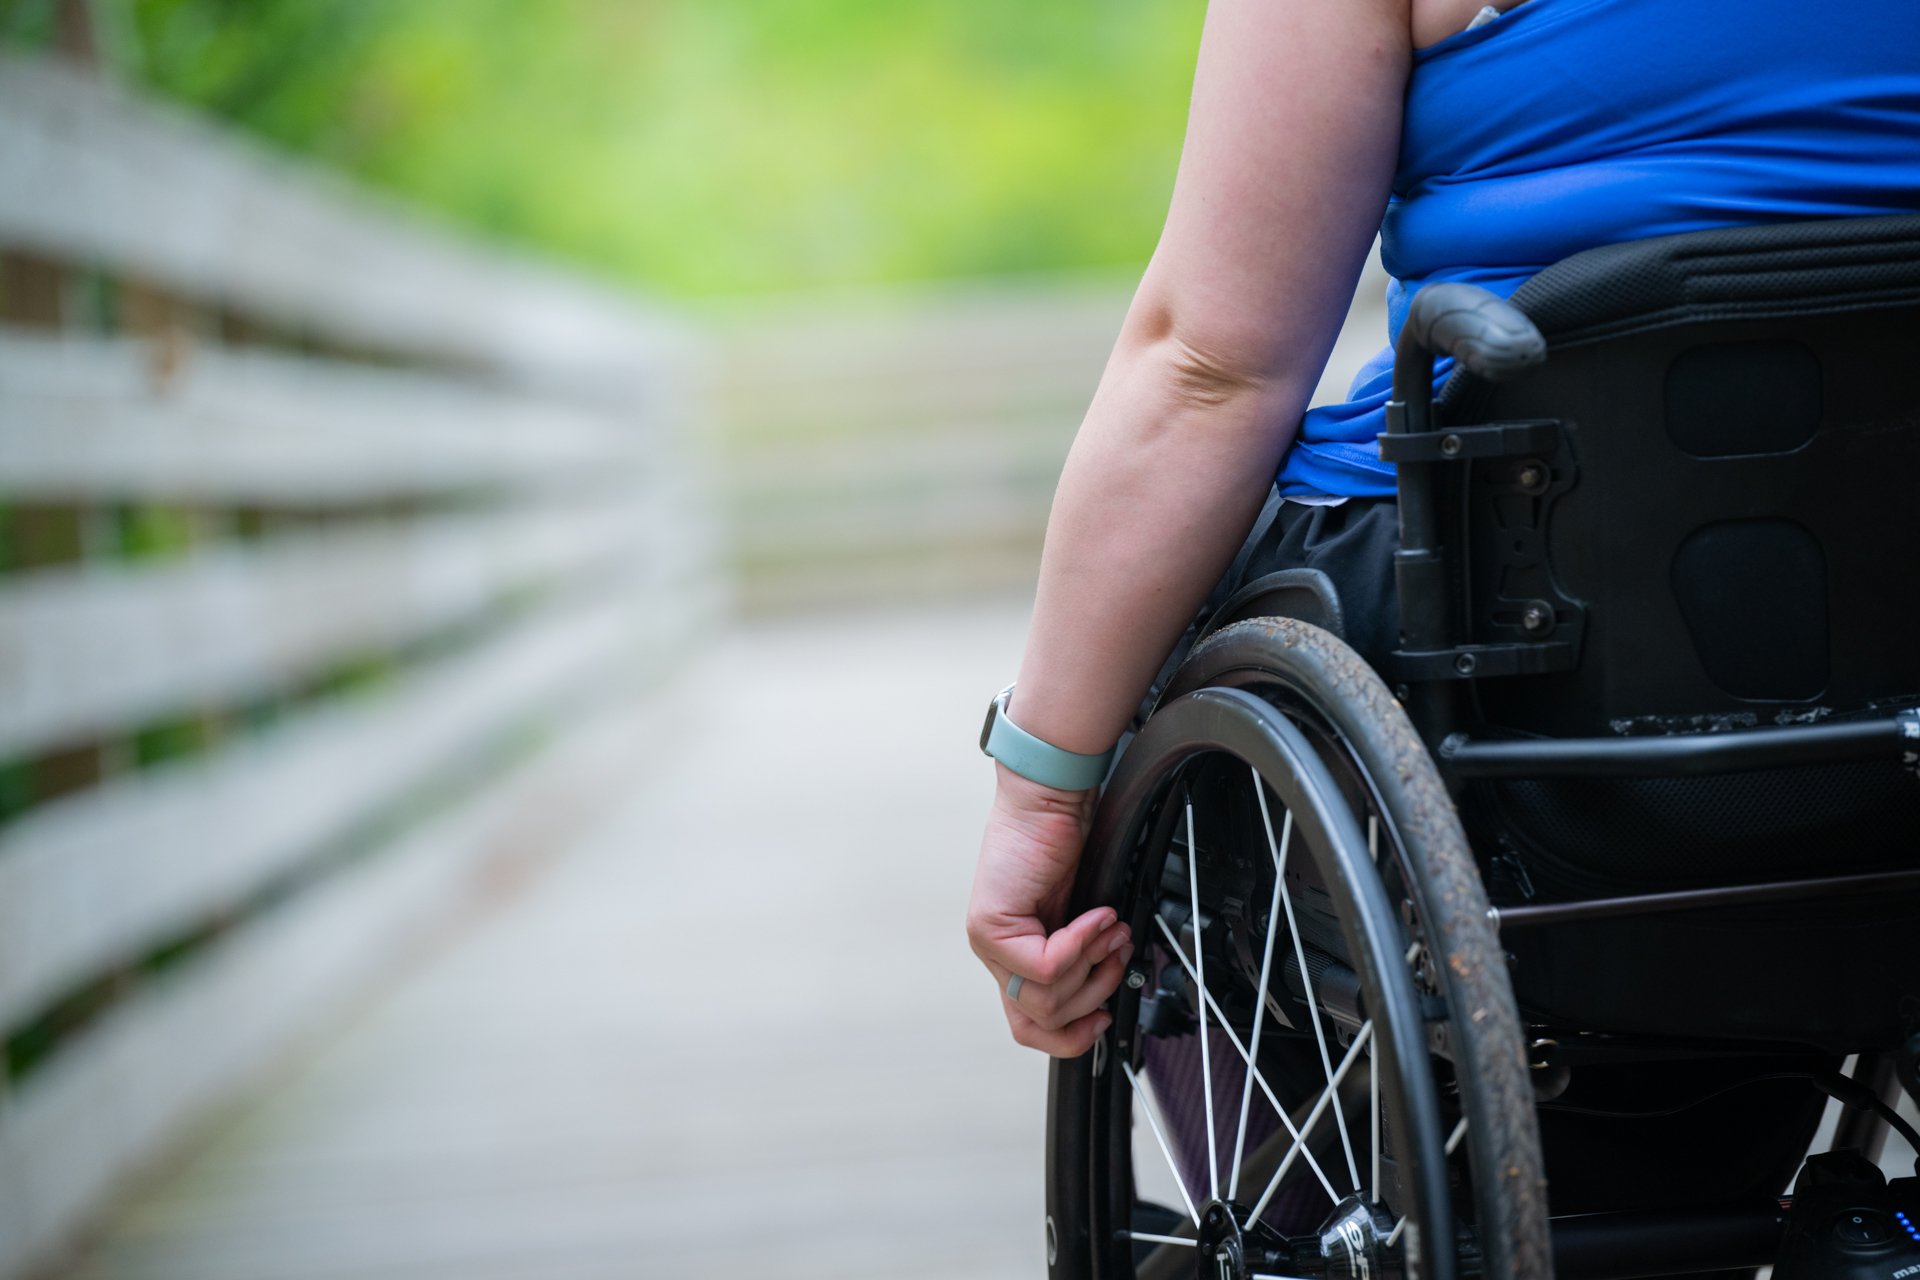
[{"x": 1291, "y": 704}]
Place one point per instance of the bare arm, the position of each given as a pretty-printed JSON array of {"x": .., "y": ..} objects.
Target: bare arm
[{"x": 1290, "y": 150}]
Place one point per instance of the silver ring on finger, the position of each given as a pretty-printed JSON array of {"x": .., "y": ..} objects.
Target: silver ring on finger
[{"x": 1014, "y": 983}]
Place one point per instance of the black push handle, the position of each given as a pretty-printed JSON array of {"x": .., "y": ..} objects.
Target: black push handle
[{"x": 1491, "y": 337}]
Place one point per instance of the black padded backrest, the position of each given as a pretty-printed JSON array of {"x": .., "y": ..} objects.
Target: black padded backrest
[{"x": 1743, "y": 413}]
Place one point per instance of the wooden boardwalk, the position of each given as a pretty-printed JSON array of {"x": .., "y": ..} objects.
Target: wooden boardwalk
[{"x": 734, "y": 1030}]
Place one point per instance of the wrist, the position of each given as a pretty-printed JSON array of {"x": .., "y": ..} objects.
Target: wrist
[
  {"x": 1036, "y": 759},
  {"x": 1052, "y": 714},
  {"x": 1026, "y": 805},
  {"x": 1024, "y": 793}
]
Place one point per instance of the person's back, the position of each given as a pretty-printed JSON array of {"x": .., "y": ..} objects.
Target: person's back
[{"x": 1567, "y": 124}]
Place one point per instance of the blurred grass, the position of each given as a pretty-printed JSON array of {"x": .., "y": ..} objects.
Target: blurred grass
[{"x": 715, "y": 147}]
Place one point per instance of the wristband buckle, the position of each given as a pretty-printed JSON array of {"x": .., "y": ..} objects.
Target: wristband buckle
[{"x": 996, "y": 708}]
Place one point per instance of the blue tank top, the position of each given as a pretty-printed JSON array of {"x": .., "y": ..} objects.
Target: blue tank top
[{"x": 1567, "y": 124}]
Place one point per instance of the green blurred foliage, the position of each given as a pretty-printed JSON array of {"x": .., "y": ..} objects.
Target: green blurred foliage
[
  {"x": 705, "y": 147},
  {"x": 154, "y": 532}
]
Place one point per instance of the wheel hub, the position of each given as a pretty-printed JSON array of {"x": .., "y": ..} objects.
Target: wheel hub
[
  {"x": 1353, "y": 1240},
  {"x": 1222, "y": 1252}
]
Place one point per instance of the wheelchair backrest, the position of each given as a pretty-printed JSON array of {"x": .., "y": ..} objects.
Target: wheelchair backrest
[
  {"x": 1721, "y": 532},
  {"x": 1724, "y": 528}
]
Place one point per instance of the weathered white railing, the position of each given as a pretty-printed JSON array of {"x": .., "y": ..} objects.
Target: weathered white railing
[
  {"x": 89, "y": 650},
  {"x": 903, "y": 443},
  {"x": 96, "y": 175},
  {"x": 493, "y": 515},
  {"x": 907, "y": 442},
  {"x": 97, "y": 417}
]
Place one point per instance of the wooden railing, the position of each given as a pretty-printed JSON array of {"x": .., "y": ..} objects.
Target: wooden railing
[
  {"x": 905, "y": 444},
  {"x": 323, "y": 535}
]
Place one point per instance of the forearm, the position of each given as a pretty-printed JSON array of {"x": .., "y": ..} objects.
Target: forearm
[{"x": 1164, "y": 479}]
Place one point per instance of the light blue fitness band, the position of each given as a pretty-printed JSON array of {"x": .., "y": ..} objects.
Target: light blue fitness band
[{"x": 1037, "y": 760}]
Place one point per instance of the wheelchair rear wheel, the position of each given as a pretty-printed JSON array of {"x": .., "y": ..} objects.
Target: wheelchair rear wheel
[{"x": 1316, "y": 1058}]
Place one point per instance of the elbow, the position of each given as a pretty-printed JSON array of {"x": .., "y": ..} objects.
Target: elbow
[
  {"x": 1205, "y": 374},
  {"x": 1211, "y": 364}
]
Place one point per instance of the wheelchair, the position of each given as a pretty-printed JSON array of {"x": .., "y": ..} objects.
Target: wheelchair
[{"x": 1539, "y": 944}]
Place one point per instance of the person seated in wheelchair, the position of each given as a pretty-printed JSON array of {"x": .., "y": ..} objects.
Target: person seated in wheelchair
[{"x": 1619, "y": 632}]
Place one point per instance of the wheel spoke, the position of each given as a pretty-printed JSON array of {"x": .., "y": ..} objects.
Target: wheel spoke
[
  {"x": 1153, "y": 1123},
  {"x": 1306, "y": 981},
  {"x": 1459, "y": 1132},
  {"x": 1200, "y": 977},
  {"x": 1259, "y": 1013},
  {"x": 1252, "y": 1069},
  {"x": 1313, "y": 1117},
  {"x": 1147, "y": 1237}
]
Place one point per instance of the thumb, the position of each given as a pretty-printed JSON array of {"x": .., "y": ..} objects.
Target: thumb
[{"x": 1047, "y": 958}]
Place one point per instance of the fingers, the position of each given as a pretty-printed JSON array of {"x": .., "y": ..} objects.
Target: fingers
[
  {"x": 1046, "y": 958},
  {"x": 1065, "y": 977},
  {"x": 1081, "y": 990},
  {"x": 1023, "y": 878},
  {"x": 1101, "y": 983}
]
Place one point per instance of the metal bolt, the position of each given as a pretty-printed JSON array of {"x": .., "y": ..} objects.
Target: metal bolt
[
  {"x": 1532, "y": 476},
  {"x": 1450, "y": 445},
  {"x": 1136, "y": 979},
  {"x": 1465, "y": 664},
  {"x": 1536, "y": 617}
]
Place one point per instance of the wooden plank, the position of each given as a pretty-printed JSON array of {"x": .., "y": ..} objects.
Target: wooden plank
[
  {"x": 864, "y": 404},
  {"x": 915, "y": 330},
  {"x": 90, "y": 418},
  {"x": 108, "y": 873},
  {"x": 1018, "y": 451},
  {"x": 91, "y": 173},
  {"x": 98, "y": 649},
  {"x": 831, "y": 371},
  {"x": 908, "y": 445},
  {"x": 155, "y": 1068},
  {"x": 898, "y": 355},
  {"x": 918, "y": 575},
  {"x": 894, "y": 523},
  {"x": 904, "y": 350}
]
